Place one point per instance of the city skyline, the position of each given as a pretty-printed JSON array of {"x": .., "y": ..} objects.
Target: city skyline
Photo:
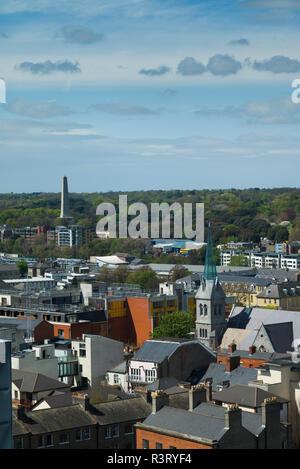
[{"x": 146, "y": 95}]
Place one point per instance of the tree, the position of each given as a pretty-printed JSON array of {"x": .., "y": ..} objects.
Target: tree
[
  {"x": 177, "y": 324},
  {"x": 23, "y": 268},
  {"x": 145, "y": 277},
  {"x": 177, "y": 272},
  {"x": 239, "y": 261}
]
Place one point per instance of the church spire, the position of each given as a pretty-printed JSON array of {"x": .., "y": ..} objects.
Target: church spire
[{"x": 210, "y": 271}]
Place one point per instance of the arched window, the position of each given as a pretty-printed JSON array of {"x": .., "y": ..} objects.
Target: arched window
[
  {"x": 205, "y": 310},
  {"x": 201, "y": 309}
]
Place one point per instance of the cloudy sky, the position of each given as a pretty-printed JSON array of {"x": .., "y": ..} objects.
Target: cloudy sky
[{"x": 149, "y": 94}]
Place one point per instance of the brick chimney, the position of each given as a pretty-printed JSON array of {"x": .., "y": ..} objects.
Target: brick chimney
[
  {"x": 197, "y": 394},
  {"x": 252, "y": 349},
  {"x": 159, "y": 400},
  {"x": 232, "y": 362},
  {"x": 233, "y": 417},
  {"x": 231, "y": 348}
]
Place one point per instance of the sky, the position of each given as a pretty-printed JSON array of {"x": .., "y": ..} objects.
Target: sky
[{"x": 130, "y": 95}]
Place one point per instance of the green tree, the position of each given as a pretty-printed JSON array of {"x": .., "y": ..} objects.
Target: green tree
[
  {"x": 178, "y": 271},
  {"x": 239, "y": 261},
  {"x": 23, "y": 268},
  {"x": 177, "y": 324},
  {"x": 145, "y": 277}
]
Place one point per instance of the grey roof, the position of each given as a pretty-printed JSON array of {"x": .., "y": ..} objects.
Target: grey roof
[
  {"x": 253, "y": 318},
  {"x": 280, "y": 335},
  {"x": 125, "y": 410},
  {"x": 31, "y": 381},
  {"x": 278, "y": 274},
  {"x": 4, "y": 267},
  {"x": 281, "y": 290},
  {"x": 251, "y": 421},
  {"x": 162, "y": 384},
  {"x": 268, "y": 356},
  {"x": 52, "y": 420},
  {"x": 120, "y": 368},
  {"x": 191, "y": 425},
  {"x": 56, "y": 400},
  {"x": 18, "y": 323},
  {"x": 248, "y": 396},
  {"x": 218, "y": 373},
  {"x": 156, "y": 350}
]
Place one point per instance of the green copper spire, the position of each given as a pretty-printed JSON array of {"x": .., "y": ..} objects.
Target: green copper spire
[{"x": 210, "y": 271}]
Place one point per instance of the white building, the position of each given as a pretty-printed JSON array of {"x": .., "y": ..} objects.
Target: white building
[
  {"x": 96, "y": 355},
  {"x": 118, "y": 376}
]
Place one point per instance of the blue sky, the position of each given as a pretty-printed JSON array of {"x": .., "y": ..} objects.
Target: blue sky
[{"x": 149, "y": 94}]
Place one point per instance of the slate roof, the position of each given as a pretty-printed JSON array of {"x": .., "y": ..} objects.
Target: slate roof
[
  {"x": 191, "y": 425},
  {"x": 31, "y": 381},
  {"x": 218, "y": 373},
  {"x": 281, "y": 290},
  {"x": 56, "y": 400},
  {"x": 162, "y": 384},
  {"x": 156, "y": 350},
  {"x": 125, "y": 410},
  {"x": 52, "y": 420},
  {"x": 248, "y": 396},
  {"x": 251, "y": 421},
  {"x": 18, "y": 323},
  {"x": 280, "y": 335},
  {"x": 253, "y": 318},
  {"x": 120, "y": 368}
]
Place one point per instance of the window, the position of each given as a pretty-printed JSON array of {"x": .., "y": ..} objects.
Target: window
[
  {"x": 16, "y": 394},
  {"x": 205, "y": 310},
  {"x": 150, "y": 376},
  {"x": 135, "y": 374},
  {"x": 61, "y": 333},
  {"x": 145, "y": 444},
  {"x": 128, "y": 429},
  {"x": 45, "y": 441},
  {"x": 87, "y": 433},
  {"x": 172, "y": 447},
  {"x": 78, "y": 435},
  {"x": 158, "y": 446},
  {"x": 115, "y": 431},
  {"x": 116, "y": 379},
  {"x": 49, "y": 440},
  {"x": 112, "y": 431},
  {"x": 63, "y": 438},
  {"x": 19, "y": 443},
  {"x": 82, "y": 353}
]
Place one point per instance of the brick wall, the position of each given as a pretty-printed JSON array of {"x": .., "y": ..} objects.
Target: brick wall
[{"x": 165, "y": 440}]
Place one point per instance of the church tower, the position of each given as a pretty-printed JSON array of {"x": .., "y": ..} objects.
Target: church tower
[{"x": 210, "y": 303}]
